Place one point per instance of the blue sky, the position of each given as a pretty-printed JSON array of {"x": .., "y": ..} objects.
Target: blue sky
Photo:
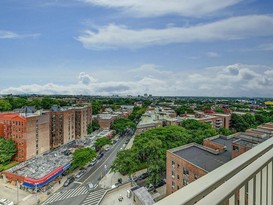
[{"x": 105, "y": 47}]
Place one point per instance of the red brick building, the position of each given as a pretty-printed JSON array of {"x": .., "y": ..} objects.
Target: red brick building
[{"x": 29, "y": 132}]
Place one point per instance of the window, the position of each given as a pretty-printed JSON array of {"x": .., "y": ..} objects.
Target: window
[
  {"x": 185, "y": 182},
  {"x": 178, "y": 187},
  {"x": 185, "y": 171},
  {"x": 195, "y": 176},
  {"x": 177, "y": 176},
  {"x": 173, "y": 162},
  {"x": 235, "y": 148},
  {"x": 178, "y": 165}
]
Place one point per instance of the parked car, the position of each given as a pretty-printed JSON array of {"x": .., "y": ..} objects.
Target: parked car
[
  {"x": 100, "y": 156},
  {"x": 149, "y": 187},
  {"x": 93, "y": 162},
  {"x": 80, "y": 174},
  {"x": 69, "y": 181},
  {"x": 161, "y": 183},
  {"x": 143, "y": 176}
]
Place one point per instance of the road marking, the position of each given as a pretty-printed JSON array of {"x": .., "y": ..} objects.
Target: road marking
[
  {"x": 100, "y": 165},
  {"x": 76, "y": 182}
]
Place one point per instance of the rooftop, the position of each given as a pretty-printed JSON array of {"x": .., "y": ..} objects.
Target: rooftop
[
  {"x": 245, "y": 143},
  {"x": 226, "y": 141},
  {"x": 42, "y": 165},
  {"x": 144, "y": 196},
  {"x": 203, "y": 157}
]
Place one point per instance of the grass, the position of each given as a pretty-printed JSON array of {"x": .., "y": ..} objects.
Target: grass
[{"x": 5, "y": 167}]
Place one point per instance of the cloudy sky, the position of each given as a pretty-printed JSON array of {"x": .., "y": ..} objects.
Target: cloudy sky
[{"x": 159, "y": 47}]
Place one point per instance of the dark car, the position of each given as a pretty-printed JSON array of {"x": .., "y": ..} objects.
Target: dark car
[
  {"x": 160, "y": 183},
  {"x": 143, "y": 176},
  {"x": 69, "y": 181},
  {"x": 100, "y": 156}
]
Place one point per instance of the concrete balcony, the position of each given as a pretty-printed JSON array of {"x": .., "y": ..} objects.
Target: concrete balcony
[{"x": 245, "y": 180}]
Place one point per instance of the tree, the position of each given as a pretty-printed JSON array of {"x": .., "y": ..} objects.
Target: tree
[
  {"x": 155, "y": 162},
  {"x": 96, "y": 107},
  {"x": 82, "y": 156},
  {"x": 7, "y": 150},
  {"x": 100, "y": 142},
  {"x": 219, "y": 110},
  {"x": 92, "y": 127},
  {"x": 184, "y": 109},
  {"x": 120, "y": 125},
  {"x": 5, "y": 105},
  {"x": 225, "y": 131},
  {"x": 125, "y": 162}
]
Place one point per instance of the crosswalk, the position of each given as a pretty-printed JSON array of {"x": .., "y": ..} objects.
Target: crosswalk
[
  {"x": 94, "y": 197},
  {"x": 66, "y": 194}
]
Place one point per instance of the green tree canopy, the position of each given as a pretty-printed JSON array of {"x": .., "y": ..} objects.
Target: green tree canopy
[
  {"x": 5, "y": 105},
  {"x": 82, "y": 156},
  {"x": 100, "y": 142},
  {"x": 125, "y": 162},
  {"x": 120, "y": 125},
  {"x": 92, "y": 126},
  {"x": 7, "y": 150},
  {"x": 96, "y": 107}
]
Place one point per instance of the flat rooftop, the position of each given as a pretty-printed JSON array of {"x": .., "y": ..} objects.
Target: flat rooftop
[
  {"x": 202, "y": 157},
  {"x": 225, "y": 141},
  {"x": 246, "y": 143},
  {"x": 250, "y": 137},
  {"x": 41, "y": 165}
]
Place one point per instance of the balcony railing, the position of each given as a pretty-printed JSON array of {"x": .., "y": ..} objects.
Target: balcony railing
[{"x": 245, "y": 180}]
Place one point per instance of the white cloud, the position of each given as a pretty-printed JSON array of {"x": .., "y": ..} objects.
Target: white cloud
[
  {"x": 144, "y": 8},
  {"x": 266, "y": 47},
  {"x": 115, "y": 36},
  {"x": 213, "y": 54},
  {"x": 86, "y": 79},
  {"x": 231, "y": 80},
  {"x": 13, "y": 35}
]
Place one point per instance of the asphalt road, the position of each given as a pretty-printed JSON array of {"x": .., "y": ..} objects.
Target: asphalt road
[{"x": 94, "y": 174}]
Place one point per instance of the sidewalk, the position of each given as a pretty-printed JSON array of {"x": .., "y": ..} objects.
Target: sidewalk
[{"x": 10, "y": 192}]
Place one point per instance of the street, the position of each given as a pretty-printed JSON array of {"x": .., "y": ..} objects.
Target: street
[{"x": 93, "y": 175}]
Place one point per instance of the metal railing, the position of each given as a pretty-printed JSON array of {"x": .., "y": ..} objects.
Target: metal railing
[{"x": 245, "y": 180}]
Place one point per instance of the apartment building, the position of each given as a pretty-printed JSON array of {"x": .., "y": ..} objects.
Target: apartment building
[
  {"x": 187, "y": 163},
  {"x": 30, "y": 132},
  {"x": 68, "y": 123}
]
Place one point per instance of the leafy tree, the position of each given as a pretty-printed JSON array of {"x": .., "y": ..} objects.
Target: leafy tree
[
  {"x": 96, "y": 107},
  {"x": 184, "y": 109},
  {"x": 47, "y": 102},
  {"x": 155, "y": 162},
  {"x": 92, "y": 127},
  {"x": 5, "y": 105},
  {"x": 82, "y": 156},
  {"x": 125, "y": 162},
  {"x": 225, "y": 131},
  {"x": 219, "y": 110},
  {"x": 100, "y": 142},
  {"x": 7, "y": 150},
  {"x": 137, "y": 113},
  {"x": 120, "y": 125}
]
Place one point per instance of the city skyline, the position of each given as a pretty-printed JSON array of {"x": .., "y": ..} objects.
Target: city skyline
[{"x": 179, "y": 48}]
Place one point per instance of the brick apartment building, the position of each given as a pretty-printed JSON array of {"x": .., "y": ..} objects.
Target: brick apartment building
[
  {"x": 68, "y": 123},
  {"x": 36, "y": 133},
  {"x": 30, "y": 132},
  {"x": 189, "y": 162}
]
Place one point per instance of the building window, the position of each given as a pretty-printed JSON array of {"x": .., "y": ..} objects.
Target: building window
[
  {"x": 173, "y": 162},
  {"x": 178, "y": 165},
  {"x": 185, "y": 171},
  {"x": 185, "y": 182},
  {"x": 235, "y": 148},
  {"x": 195, "y": 176},
  {"x": 178, "y": 187},
  {"x": 177, "y": 176}
]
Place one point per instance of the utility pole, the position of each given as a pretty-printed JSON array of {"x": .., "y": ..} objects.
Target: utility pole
[{"x": 17, "y": 192}]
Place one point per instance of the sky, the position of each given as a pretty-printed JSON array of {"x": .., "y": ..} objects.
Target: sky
[{"x": 132, "y": 47}]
